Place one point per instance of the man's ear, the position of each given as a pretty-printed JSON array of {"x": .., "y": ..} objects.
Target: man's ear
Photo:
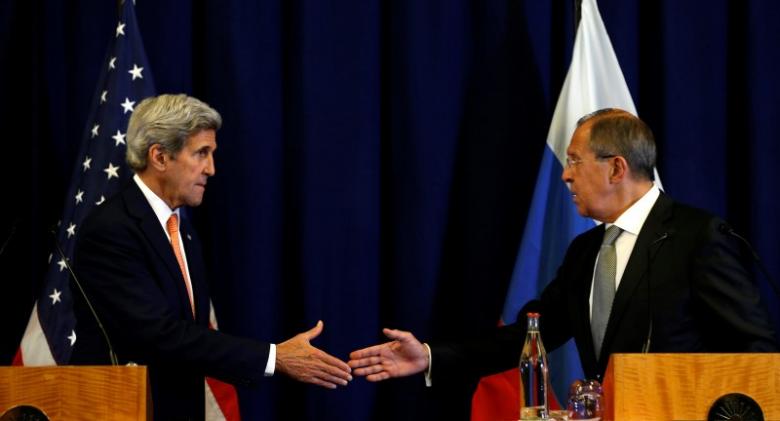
[
  {"x": 618, "y": 169},
  {"x": 157, "y": 157}
]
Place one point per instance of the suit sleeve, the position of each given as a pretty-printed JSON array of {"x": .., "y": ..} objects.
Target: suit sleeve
[
  {"x": 728, "y": 297},
  {"x": 117, "y": 277},
  {"x": 499, "y": 349}
]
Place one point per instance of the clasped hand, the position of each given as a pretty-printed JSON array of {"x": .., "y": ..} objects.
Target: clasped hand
[
  {"x": 300, "y": 360},
  {"x": 403, "y": 356}
]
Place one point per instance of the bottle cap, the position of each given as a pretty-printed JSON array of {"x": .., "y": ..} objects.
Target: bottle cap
[{"x": 533, "y": 315}]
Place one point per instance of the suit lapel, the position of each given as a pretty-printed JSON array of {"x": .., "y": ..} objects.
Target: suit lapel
[
  {"x": 648, "y": 243},
  {"x": 154, "y": 233}
]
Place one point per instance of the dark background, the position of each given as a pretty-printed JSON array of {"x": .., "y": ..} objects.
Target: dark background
[{"x": 378, "y": 157}]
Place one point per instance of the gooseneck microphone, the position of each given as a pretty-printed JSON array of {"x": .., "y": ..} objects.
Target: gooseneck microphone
[
  {"x": 10, "y": 235},
  {"x": 111, "y": 353},
  {"x": 725, "y": 228}
]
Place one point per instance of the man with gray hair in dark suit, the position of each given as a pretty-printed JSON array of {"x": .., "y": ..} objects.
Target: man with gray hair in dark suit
[{"x": 142, "y": 267}]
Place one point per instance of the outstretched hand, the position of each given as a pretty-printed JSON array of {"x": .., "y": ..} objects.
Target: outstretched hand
[
  {"x": 298, "y": 359},
  {"x": 401, "y": 357}
]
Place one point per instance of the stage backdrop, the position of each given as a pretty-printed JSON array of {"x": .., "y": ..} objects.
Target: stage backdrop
[{"x": 378, "y": 157}]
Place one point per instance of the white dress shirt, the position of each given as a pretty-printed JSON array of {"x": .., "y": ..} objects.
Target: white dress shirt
[{"x": 631, "y": 222}]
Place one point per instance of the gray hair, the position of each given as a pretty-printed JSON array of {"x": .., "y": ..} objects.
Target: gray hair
[
  {"x": 166, "y": 120},
  {"x": 615, "y": 132}
]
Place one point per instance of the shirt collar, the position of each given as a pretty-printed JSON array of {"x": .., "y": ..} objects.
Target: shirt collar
[
  {"x": 634, "y": 217},
  {"x": 160, "y": 208}
]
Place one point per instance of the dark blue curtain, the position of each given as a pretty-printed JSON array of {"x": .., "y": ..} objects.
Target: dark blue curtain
[{"x": 378, "y": 158}]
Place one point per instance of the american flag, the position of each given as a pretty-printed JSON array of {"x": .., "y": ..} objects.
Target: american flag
[{"x": 99, "y": 172}]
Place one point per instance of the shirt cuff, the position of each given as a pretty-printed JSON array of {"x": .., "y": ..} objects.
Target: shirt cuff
[
  {"x": 270, "y": 366},
  {"x": 428, "y": 381}
]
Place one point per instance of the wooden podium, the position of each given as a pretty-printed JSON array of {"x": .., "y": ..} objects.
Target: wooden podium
[
  {"x": 78, "y": 392},
  {"x": 685, "y": 386}
]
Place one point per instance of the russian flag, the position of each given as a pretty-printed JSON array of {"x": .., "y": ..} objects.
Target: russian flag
[{"x": 594, "y": 81}]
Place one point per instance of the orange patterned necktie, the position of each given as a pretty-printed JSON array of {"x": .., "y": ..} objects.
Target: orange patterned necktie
[{"x": 173, "y": 231}]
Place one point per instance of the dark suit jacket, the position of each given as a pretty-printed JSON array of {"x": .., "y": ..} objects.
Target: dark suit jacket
[
  {"x": 687, "y": 276},
  {"x": 127, "y": 267}
]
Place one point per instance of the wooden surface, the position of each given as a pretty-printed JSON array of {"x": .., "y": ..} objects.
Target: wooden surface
[
  {"x": 684, "y": 386},
  {"x": 77, "y": 393}
]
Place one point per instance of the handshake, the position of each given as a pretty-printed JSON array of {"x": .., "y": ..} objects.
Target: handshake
[{"x": 403, "y": 356}]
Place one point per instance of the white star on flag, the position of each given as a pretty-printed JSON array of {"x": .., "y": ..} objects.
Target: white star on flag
[
  {"x": 71, "y": 230},
  {"x": 119, "y": 137},
  {"x": 62, "y": 264},
  {"x": 55, "y": 297},
  {"x": 103, "y": 97},
  {"x": 72, "y": 337},
  {"x": 79, "y": 196},
  {"x": 111, "y": 171},
  {"x": 128, "y": 105},
  {"x": 111, "y": 64},
  {"x": 95, "y": 129},
  {"x": 120, "y": 29},
  {"x": 87, "y": 163},
  {"x": 100, "y": 202},
  {"x": 136, "y": 72}
]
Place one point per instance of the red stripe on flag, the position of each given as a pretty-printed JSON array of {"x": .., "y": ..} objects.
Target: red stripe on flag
[
  {"x": 226, "y": 397},
  {"x": 18, "y": 358},
  {"x": 225, "y": 394},
  {"x": 497, "y": 397}
]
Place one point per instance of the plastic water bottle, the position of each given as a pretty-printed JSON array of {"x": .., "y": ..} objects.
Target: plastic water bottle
[{"x": 533, "y": 374}]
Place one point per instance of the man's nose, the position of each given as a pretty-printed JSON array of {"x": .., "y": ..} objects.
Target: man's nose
[
  {"x": 210, "y": 169},
  {"x": 566, "y": 174}
]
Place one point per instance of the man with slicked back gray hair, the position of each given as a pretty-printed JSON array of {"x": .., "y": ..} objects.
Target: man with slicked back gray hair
[{"x": 141, "y": 265}]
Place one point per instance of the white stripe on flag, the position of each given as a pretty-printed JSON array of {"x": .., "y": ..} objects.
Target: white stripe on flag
[
  {"x": 594, "y": 81},
  {"x": 35, "y": 349},
  {"x": 213, "y": 411}
]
